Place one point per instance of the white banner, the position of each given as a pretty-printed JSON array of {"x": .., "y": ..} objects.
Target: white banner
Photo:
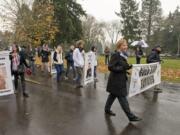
[
  {"x": 89, "y": 68},
  {"x": 144, "y": 77},
  {"x": 6, "y": 84},
  {"x": 52, "y": 67}
]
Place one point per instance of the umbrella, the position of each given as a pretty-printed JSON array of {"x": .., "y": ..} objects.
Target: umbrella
[{"x": 141, "y": 43}]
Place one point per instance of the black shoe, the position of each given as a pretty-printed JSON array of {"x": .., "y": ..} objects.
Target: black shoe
[
  {"x": 25, "y": 95},
  {"x": 111, "y": 113},
  {"x": 135, "y": 119},
  {"x": 158, "y": 90},
  {"x": 79, "y": 86}
]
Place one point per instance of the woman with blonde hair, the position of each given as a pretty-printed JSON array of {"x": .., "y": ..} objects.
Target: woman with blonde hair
[
  {"x": 58, "y": 61},
  {"x": 116, "y": 86}
]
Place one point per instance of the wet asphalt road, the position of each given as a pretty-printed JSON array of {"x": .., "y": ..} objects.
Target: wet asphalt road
[{"x": 62, "y": 110}]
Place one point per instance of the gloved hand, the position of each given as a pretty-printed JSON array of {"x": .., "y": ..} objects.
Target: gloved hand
[{"x": 128, "y": 67}]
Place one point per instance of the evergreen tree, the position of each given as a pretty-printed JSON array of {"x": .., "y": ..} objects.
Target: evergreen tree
[
  {"x": 151, "y": 16},
  {"x": 168, "y": 35},
  {"x": 67, "y": 15},
  {"x": 130, "y": 19}
]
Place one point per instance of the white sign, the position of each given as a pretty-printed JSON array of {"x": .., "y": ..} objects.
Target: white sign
[
  {"x": 89, "y": 68},
  {"x": 144, "y": 77},
  {"x": 6, "y": 84},
  {"x": 52, "y": 67}
]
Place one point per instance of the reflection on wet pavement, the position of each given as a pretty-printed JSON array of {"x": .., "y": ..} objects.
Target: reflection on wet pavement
[{"x": 59, "y": 109}]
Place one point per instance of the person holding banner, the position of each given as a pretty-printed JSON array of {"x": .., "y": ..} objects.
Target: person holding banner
[
  {"x": 154, "y": 57},
  {"x": 58, "y": 61},
  {"x": 18, "y": 62},
  {"x": 94, "y": 52},
  {"x": 78, "y": 57},
  {"x": 117, "y": 86}
]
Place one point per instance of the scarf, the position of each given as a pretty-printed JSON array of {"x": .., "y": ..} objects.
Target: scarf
[{"x": 15, "y": 62}]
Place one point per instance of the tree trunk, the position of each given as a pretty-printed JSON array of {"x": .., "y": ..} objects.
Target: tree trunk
[
  {"x": 149, "y": 22},
  {"x": 178, "y": 50}
]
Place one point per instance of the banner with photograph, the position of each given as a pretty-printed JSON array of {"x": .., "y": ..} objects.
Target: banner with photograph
[
  {"x": 6, "y": 84},
  {"x": 89, "y": 68},
  {"x": 144, "y": 77}
]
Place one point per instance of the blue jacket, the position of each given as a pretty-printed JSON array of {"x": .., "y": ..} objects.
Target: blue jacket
[{"x": 69, "y": 56}]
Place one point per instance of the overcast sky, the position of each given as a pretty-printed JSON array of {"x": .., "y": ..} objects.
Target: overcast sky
[{"x": 105, "y": 9}]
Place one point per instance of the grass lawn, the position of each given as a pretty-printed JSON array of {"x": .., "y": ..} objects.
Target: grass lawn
[{"x": 170, "y": 68}]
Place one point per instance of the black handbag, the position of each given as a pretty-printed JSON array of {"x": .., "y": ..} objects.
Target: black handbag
[{"x": 21, "y": 68}]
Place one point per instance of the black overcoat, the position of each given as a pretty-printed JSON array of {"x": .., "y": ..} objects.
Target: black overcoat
[{"x": 118, "y": 67}]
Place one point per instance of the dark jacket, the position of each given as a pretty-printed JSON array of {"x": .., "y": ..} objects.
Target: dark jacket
[
  {"x": 31, "y": 55},
  {"x": 139, "y": 54},
  {"x": 45, "y": 56},
  {"x": 118, "y": 67},
  {"x": 69, "y": 56},
  {"x": 22, "y": 60},
  {"x": 153, "y": 57}
]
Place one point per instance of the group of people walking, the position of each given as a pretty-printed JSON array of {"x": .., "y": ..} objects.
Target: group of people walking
[
  {"x": 117, "y": 65},
  {"x": 74, "y": 60}
]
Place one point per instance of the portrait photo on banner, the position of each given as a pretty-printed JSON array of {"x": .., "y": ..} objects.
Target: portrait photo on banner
[
  {"x": 89, "y": 68},
  {"x": 3, "y": 77}
]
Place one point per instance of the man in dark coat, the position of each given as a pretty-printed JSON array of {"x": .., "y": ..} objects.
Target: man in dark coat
[
  {"x": 154, "y": 57},
  {"x": 45, "y": 58},
  {"x": 70, "y": 63},
  {"x": 139, "y": 54},
  {"x": 116, "y": 86}
]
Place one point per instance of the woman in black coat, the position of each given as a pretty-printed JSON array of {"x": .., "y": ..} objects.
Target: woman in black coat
[{"x": 116, "y": 86}]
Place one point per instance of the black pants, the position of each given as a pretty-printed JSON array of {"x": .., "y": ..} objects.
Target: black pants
[
  {"x": 138, "y": 60},
  {"x": 106, "y": 59},
  {"x": 22, "y": 77},
  {"x": 123, "y": 102},
  {"x": 79, "y": 72},
  {"x": 69, "y": 64}
]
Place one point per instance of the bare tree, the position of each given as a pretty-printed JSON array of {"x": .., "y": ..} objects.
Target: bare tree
[
  {"x": 93, "y": 31},
  {"x": 113, "y": 30},
  {"x": 10, "y": 10}
]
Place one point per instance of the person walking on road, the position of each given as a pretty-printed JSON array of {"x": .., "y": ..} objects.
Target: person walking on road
[
  {"x": 78, "y": 57},
  {"x": 45, "y": 58},
  {"x": 58, "y": 61},
  {"x": 31, "y": 57},
  {"x": 94, "y": 52},
  {"x": 70, "y": 63},
  {"x": 18, "y": 63},
  {"x": 107, "y": 55},
  {"x": 117, "y": 86},
  {"x": 154, "y": 57}
]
